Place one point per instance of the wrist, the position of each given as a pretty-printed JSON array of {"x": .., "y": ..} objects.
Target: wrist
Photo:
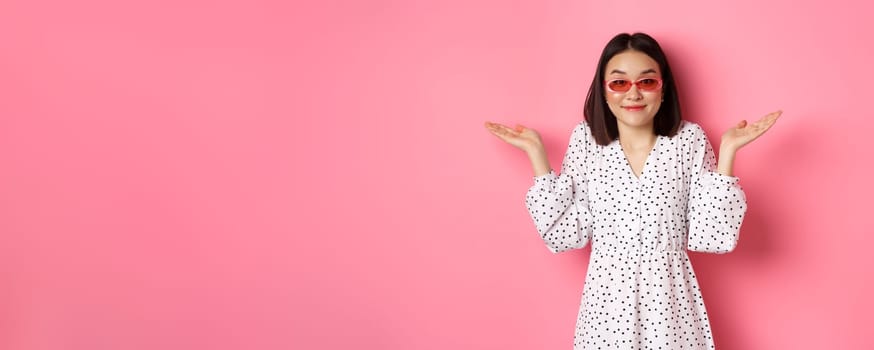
[
  {"x": 539, "y": 160},
  {"x": 727, "y": 148},
  {"x": 536, "y": 150},
  {"x": 725, "y": 163}
]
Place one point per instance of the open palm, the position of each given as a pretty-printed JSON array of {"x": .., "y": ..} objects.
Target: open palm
[
  {"x": 745, "y": 133},
  {"x": 521, "y": 137}
]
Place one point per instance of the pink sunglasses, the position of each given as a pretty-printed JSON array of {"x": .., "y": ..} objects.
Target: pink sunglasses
[{"x": 623, "y": 85}]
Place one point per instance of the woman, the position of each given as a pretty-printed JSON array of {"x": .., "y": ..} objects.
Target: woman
[{"x": 643, "y": 186}]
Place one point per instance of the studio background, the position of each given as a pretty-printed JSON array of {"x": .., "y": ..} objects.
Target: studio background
[{"x": 288, "y": 175}]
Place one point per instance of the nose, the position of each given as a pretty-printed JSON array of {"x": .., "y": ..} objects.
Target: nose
[{"x": 633, "y": 93}]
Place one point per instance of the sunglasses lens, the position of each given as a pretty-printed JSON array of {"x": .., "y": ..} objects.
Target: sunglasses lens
[
  {"x": 619, "y": 85},
  {"x": 648, "y": 84}
]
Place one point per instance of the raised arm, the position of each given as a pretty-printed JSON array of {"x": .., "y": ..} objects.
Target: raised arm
[
  {"x": 558, "y": 204},
  {"x": 717, "y": 204},
  {"x": 742, "y": 134}
]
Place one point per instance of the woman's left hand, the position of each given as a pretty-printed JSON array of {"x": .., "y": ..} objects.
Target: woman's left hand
[{"x": 744, "y": 133}]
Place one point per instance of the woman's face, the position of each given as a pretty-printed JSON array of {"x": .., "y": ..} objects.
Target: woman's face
[{"x": 635, "y": 107}]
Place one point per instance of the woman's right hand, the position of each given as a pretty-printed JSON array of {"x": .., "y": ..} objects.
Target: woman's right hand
[{"x": 521, "y": 137}]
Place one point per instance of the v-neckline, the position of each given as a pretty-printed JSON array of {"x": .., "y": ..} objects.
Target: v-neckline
[{"x": 646, "y": 161}]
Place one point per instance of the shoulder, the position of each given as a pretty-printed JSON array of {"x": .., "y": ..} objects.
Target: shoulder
[
  {"x": 583, "y": 134},
  {"x": 688, "y": 128},
  {"x": 691, "y": 132},
  {"x": 582, "y": 128}
]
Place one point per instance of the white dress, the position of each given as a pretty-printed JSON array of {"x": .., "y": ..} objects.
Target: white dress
[{"x": 640, "y": 290}]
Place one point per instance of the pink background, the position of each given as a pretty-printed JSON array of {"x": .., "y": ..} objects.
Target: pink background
[{"x": 260, "y": 175}]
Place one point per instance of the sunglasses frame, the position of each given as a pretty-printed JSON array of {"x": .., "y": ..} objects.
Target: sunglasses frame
[{"x": 635, "y": 83}]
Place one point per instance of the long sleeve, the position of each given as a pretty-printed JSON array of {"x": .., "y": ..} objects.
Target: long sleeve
[
  {"x": 559, "y": 204},
  {"x": 717, "y": 203}
]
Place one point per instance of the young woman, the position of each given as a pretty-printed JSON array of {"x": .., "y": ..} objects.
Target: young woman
[{"x": 643, "y": 186}]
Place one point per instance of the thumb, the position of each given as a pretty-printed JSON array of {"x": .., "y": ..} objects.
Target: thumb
[{"x": 742, "y": 124}]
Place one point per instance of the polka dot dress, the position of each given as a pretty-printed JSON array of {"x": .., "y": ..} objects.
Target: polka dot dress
[{"x": 640, "y": 290}]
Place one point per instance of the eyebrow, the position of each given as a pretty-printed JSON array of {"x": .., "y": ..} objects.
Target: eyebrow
[{"x": 644, "y": 72}]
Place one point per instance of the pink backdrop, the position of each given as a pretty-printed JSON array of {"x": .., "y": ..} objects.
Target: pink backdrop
[{"x": 259, "y": 175}]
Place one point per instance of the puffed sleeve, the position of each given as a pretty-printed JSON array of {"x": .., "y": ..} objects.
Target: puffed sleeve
[
  {"x": 559, "y": 204},
  {"x": 717, "y": 203}
]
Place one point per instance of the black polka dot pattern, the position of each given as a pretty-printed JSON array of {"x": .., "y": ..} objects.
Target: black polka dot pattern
[{"x": 640, "y": 291}]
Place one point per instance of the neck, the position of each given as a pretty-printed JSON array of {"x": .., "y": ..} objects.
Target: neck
[{"x": 641, "y": 137}]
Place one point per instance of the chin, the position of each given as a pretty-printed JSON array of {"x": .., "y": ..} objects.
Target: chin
[{"x": 636, "y": 121}]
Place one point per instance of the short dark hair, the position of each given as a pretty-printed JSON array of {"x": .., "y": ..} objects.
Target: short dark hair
[{"x": 601, "y": 120}]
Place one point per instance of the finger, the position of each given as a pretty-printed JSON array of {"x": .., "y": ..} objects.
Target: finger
[
  {"x": 763, "y": 126},
  {"x": 501, "y": 134},
  {"x": 493, "y": 125},
  {"x": 742, "y": 124},
  {"x": 505, "y": 128},
  {"x": 769, "y": 118},
  {"x": 494, "y": 131},
  {"x": 776, "y": 116},
  {"x": 767, "y": 121},
  {"x": 768, "y": 125},
  {"x": 772, "y": 116},
  {"x": 506, "y": 131}
]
